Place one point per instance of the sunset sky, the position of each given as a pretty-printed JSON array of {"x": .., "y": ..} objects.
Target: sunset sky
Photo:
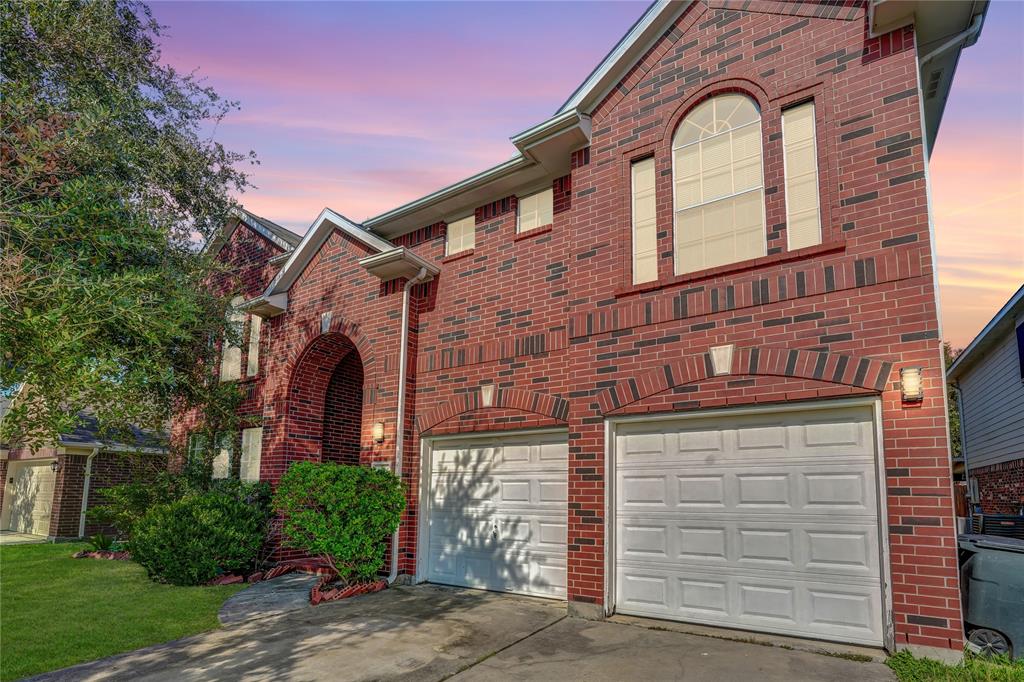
[{"x": 362, "y": 107}]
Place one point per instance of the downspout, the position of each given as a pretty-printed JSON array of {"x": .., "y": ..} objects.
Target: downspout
[
  {"x": 963, "y": 436},
  {"x": 85, "y": 491},
  {"x": 403, "y": 358},
  {"x": 956, "y": 40}
]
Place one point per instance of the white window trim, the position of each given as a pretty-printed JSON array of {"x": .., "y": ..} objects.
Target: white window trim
[
  {"x": 785, "y": 171},
  {"x": 256, "y": 443},
  {"x": 234, "y": 317},
  {"x": 676, "y": 210}
]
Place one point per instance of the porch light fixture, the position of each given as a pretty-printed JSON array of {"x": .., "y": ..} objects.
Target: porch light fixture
[
  {"x": 55, "y": 466},
  {"x": 378, "y": 432},
  {"x": 910, "y": 384}
]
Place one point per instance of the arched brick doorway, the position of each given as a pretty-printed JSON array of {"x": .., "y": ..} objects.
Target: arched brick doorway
[{"x": 326, "y": 402}]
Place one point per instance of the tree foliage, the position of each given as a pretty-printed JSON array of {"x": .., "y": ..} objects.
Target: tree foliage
[
  {"x": 949, "y": 355},
  {"x": 108, "y": 181}
]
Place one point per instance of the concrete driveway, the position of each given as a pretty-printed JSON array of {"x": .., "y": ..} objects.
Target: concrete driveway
[{"x": 437, "y": 633}]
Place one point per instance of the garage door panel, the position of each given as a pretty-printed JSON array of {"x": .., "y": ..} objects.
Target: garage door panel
[
  {"x": 829, "y": 610},
  {"x": 777, "y": 487},
  {"x": 771, "y": 523},
  {"x": 498, "y": 514}
]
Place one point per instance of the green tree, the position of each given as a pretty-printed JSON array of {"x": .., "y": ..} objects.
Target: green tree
[
  {"x": 108, "y": 184},
  {"x": 949, "y": 354}
]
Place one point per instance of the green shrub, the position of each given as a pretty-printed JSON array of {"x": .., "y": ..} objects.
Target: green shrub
[
  {"x": 101, "y": 542},
  {"x": 192, "y": 540},
  {"x": 341, "y": 513},
  {"x": 122, "y": 506}
]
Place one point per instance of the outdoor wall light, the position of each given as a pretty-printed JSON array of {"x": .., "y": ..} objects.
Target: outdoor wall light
[
  {"x": 378, "y": 432},
  {"x": 910, "y": 384},
  {"x": 55, "y": 466}
]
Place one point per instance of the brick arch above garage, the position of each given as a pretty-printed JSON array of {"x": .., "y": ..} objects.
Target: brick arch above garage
[
  {"x": 524, "y": 400},
  {"x": 819, "y": 366}
]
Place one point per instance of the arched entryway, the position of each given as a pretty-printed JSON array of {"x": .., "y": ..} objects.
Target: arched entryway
[{"x": 326, "y": 402}]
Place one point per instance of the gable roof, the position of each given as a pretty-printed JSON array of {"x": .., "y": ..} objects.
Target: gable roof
[
  {"x": 943, "y": 30},
  {"x": 1003, "y": 322},
  {"x": 276, "y": 234},
  {"x": 319, "y": 231}
]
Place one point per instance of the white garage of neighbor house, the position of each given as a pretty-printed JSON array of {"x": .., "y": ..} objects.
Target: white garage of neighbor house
[
  {"x": 47, "y": 491},
  {"x": 755, "y": 519}
]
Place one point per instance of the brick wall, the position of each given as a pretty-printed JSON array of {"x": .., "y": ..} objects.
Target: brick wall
[
  {"x": 343, "y": 412},
  {"x": 551, "y": 319},
  {"x": 1001, "y": 487},
  {"x": 854, "y": 309}
]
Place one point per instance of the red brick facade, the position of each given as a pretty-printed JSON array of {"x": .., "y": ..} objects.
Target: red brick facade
[
  {"x": 1001, "y": 487},
  {"x": 551, "y": 319}
]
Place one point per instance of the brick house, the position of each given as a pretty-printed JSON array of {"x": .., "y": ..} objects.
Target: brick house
[
  {"x": 679, "y": 357},
  {"x": 47, "y": 491},
  {"x": 988, "y": 377}
]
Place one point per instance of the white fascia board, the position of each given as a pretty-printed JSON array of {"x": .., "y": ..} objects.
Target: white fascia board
[
  {"x": 213, "y": 247},
  {"x": 1010, "y": 311},
  {"x": 398, "y": 262},
  {"x": 542, "y": 131},
  {"x": 636, "y": 42},
  {"x": 317, "y": 234},
  {"x": 482, "y": 178}
]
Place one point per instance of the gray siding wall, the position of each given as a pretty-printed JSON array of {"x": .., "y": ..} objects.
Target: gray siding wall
[{"x": 993, "y": 399}]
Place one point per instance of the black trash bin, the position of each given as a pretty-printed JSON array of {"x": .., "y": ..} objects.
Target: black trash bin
[{"x": 992, "y": 589}]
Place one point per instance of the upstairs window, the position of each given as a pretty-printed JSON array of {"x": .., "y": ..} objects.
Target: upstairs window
[
  {"x": 231, "y": 352},
  {"x": 461, "y": 235},
  {"x": 645, "y": 224},
  {"x": 719, "y": 185},
  {"x": 535, "y": 210},
  {"x": 252, "y": 365},
  {"x": 803, "y": 218}
]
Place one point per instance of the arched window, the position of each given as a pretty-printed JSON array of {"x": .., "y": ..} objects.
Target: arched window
[{"x": 719, "y": 184}]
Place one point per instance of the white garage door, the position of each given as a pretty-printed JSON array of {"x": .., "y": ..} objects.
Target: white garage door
[
  {"x": 31, "y": 496},
  {"x": 766, "y": 522},
  {"x": 497, "y": 515}
]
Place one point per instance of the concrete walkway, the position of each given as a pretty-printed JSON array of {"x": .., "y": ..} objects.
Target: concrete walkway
[
  {"x": 436, "y": 633},
  {"x": 10, "y": 537},
  {"x": 284, "y": 594}
]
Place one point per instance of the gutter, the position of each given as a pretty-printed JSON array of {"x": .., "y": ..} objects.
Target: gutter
[
  {"x": 85, "y": 491},
  {"x": 955, "y": 41},
  {"x": 403, "y": 359}
]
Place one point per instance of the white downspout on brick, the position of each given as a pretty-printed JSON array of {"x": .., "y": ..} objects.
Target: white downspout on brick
[
  {"x": 403, "y": 355},
  {"x": 85, "y": 491}
]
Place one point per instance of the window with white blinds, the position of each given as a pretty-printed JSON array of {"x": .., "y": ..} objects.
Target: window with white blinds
[
  {"x": 645, "y": 223},
  {"x": 252, "y": 447},
  {"x": 231, "y": 352},
  {"x": 461, "y": 235},
  {"x": 535, "y": 210},
  {"x": 252, "y": 365},
  {"x": 803, "y": 216},
  {"x": 719, "y": 184},
  {"x": 222, "y": 460}
]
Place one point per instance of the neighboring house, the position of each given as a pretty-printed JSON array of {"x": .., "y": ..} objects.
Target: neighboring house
[
  {"x": 989, "y": 377},
  {"x": 679, "y": 357},
  {"x": 47, "y": 491}
]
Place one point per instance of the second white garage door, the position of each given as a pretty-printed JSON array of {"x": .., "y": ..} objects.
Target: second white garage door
[
  {"x": 497, "y": 513},
  {"x": 764, "y": 522}
]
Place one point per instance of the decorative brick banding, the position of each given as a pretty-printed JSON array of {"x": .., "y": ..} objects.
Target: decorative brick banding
[
  {"x": 517, "y": 399},
  {"x": 835, "y": 368}
]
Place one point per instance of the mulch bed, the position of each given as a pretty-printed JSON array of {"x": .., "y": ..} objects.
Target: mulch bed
[
  {"x": 102, "y": 554},
  {"x": 322, "y": 591}
]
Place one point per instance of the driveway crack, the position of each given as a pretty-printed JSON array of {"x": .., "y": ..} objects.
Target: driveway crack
[{"x": 483, "y": 658}]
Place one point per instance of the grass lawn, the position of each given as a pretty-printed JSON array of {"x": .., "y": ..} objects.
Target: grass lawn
[
  {"x": 56, "y": 611},
  {"x": 971, "y": 669}
]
